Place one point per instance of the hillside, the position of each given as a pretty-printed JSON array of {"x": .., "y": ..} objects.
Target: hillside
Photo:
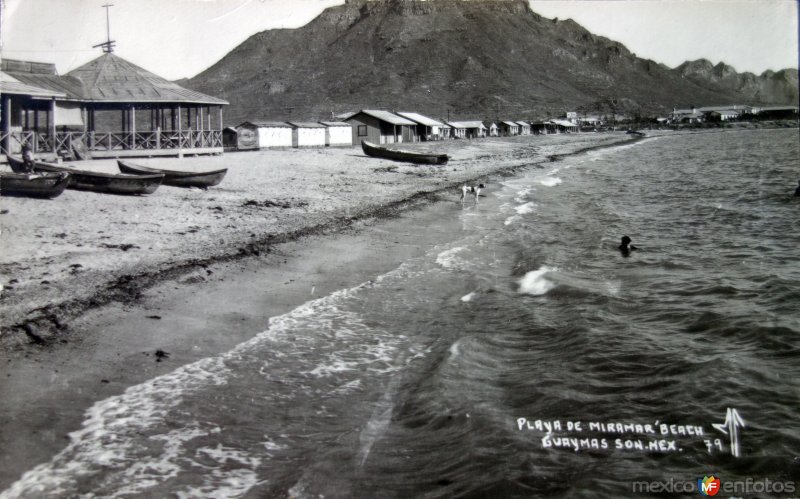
[{"x": 471, "y": 59}]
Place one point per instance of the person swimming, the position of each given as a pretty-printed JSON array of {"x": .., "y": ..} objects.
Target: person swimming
[{"x": 626, "y": 247}]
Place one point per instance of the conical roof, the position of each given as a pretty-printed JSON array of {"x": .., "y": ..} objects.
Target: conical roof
[{"x": 110, "y": 78}]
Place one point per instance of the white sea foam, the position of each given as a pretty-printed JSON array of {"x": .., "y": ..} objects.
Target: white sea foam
[
  {"x": 449, "y": 259},
  {"x": 454, "y": 349},
  {"x": 529, "y": 207},
  {"x": 534, "y": 282},
  {"x": 511, "y": 220},
  {"x": 521, "y": 195},
  {"x": 550, "y": 181},
  {"x": 468, "y": 297},
  {"x": 110, "y": 442}
]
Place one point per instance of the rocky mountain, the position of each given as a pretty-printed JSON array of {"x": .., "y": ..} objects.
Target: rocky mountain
[
  {"x": 463, "y": 59},
  {"x": 769, "y": 87}
]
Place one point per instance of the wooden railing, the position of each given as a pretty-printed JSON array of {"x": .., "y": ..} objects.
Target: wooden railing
[{"x": 110, "y": 141}]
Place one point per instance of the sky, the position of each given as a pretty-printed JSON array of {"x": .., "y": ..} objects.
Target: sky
[{"x": 180, "y": 38}]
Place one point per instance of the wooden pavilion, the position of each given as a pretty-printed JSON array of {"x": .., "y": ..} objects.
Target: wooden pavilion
[{"x": 110, "y": 107}]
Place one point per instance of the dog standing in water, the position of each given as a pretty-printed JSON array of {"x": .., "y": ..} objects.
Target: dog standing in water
[{"x": 473, "y": 189}]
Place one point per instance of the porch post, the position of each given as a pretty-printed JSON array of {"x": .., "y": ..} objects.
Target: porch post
[
  {"x": 180, "y": 134},
  {"x": 220, "y": 128},
  {"x": 51, "y": 125},
  {"x": 133, "y": 127},
  {"x": 6, "y": 144}
]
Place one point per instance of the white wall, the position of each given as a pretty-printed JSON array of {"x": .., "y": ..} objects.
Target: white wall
[
  {"x": 311, "y": 137},
  {"x": 340, "y": 136},
  {"x": 274, "y": 137}
]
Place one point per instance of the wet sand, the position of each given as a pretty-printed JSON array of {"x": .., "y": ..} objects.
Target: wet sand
[{"x": 201, "y": 292}]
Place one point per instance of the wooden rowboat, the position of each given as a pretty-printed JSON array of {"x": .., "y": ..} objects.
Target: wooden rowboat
[
  {"x": 108, "y": 183},
  {"x": 175, "y": 177},
  {"x": 375, "y": 151},
  {"x": 34, "y": 185}
]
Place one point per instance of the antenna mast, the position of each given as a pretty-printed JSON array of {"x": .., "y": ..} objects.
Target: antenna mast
[{"x": 108, "y": 45}]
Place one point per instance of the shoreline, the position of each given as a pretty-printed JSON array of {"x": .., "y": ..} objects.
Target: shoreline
[
  {"x": 37, "y": 317},
  {"x": 198, "y": 310}
]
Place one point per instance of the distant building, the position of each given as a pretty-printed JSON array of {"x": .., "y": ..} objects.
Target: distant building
[
  {"x": 381, "y": 127},
  {"x": 458, "y": 130},
  {"x": 589, "y": 120},
  {"x": 491, "y": 128},
  {"x": 778, "y": 112},
  {"x": 723, "y": 115},
  {"x": 563, "y": 126},
  {"x": 524, "y": 128},
  {"x": 427, "y": 128},
  {"x": 468, "y": 129},
  {"x": 264, "y": 135},
  {"x": 307, "y": 134},
  {"x": 446, "y": 131},
  {"x": 692, "y": 115},
  {"x": 337, "y": 133},
  {"x": 230, "y": 138},
  {"x": 508, "y": 128}
]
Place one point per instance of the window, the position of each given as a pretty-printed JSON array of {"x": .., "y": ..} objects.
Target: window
[{"x": 362, "y": 130}]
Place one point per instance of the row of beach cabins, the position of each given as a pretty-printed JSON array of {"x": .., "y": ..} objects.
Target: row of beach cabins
[{"x": 378, "y": 127}]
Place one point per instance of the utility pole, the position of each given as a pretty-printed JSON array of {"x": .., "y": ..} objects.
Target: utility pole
[{"x": 108, "y": 45}]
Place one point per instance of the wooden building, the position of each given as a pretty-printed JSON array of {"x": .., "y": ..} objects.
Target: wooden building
[
  {"x": 469, "y": 129},
  {"x": 230, "y": 138},
  {"x": 113, "y": 108},
  {"x": 307, "y": 134},
  {"x": 427, "y": 128},
  {"x": 337, "y": 133},
  {"x": 264, "y": 134},
  {"x": 457, "y": 129},
  {"x": 491, "y": 129},
  {"x": 524, "y": 128},
  {"x": 381, "y": 127},
  {"x": 508, "y": 128},
  {"x": 563, "y": 126},
  {"x": 16, "y": 99}
]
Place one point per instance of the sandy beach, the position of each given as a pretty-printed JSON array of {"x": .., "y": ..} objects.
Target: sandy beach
[
  {"x": 82, "y": 250},
  {"x": 104, "y": 282}
]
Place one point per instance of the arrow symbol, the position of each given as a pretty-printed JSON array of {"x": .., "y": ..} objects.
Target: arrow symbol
[{"x": 731, "y": 428}]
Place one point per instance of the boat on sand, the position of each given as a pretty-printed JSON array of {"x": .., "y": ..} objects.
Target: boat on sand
[
  {"x": 34, "y": 185},
  {"x": 85, "y": 180},
  {"x": 176, "y": 178},
  {"x": 376, "y": 151}
]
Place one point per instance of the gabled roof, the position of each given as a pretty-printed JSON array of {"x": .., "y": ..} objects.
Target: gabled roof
[
  {"x": 422, "y": 120},
  {"x": 110, "y": 78},
  {"x": 61, "y": 86},
  {"x": 335, "y": 123},
  {"x": 523, "y": 123},
  {"x": 11, "y": 85},
  {"x": 265, "y": 124},
  {"x": 467, "y": 124},
  {"x": 509, "y": 123},
  {"x": 386, "y": 116},
  {"x": 562, "y": 123},
  {"x": 305, "y": 124}
]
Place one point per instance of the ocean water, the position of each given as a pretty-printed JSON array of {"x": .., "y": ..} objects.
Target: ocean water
[{"x": 525, "y": 357}]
